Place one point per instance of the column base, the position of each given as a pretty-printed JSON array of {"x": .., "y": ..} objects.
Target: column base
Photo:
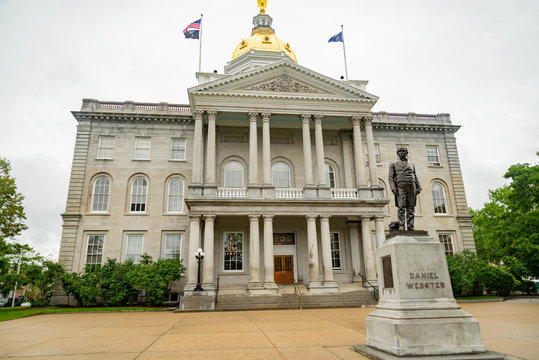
[
  {"x": 271, "y": 288},
  {"x": 310, "y": 191},
  {"x": 316, "y": 287},
  {"x": 196, "y": 301},
  {"x": 331, "y": 286}
]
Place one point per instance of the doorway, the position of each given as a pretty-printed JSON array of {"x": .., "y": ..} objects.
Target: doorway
[{"x": 283, "y": 266}]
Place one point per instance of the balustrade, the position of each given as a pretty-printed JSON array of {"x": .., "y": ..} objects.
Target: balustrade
[
  {"x": 344, "y": 194},
  {"x": 289, "y": 193},
  {"x": 234, "y": 193}
]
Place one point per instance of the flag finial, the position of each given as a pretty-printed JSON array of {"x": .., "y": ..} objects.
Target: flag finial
[{"x": 262, "y": 5}]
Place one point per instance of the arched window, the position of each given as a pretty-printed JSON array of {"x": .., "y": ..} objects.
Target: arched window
[
  {"x": 234, "y": 174},
  {"x": 175, "y": 196},
  {"x": 438, "y": 198},
  {"x": 100, "y": 195},
  {"x": 139, "y": 191},
  {"x": 330, "y": 176},
  {"x": 281, "y": 175}
]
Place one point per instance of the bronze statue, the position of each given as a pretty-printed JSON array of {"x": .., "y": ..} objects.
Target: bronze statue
[{"x": 405, "y": 186}]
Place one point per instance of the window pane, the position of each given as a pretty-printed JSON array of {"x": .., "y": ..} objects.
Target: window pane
[
  {"x": 105, "y": 148},
  {"x": 335, "y": 251},
  {"x": 172, "y": 246},
  {"x": 177, "y": 150},
  {"x": 447, "y": 240},
  {"x": 234, "y": 174},
  {"x": 175, "y": 196},
  {"x": 95, "y": 249},
  {"x": 233, "y": 251},
  {"x": 100, "y": 197},
  {"x": 432, "y": 156},
  {"x": 138, "y": 195},
  {"x": 438, "y": 198},
  {"x": 142, "y": 148},
  {"x": 330, "y": 176},
  {"x": 134, "y": 247},
  {"x": 281, "y": 175}
]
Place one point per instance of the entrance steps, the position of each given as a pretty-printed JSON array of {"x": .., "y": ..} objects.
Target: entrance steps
[{"x": 294, "y": 297}]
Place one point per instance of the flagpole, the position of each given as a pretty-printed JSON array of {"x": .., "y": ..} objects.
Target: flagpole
[
  {"x": 344, "y": 52},
  {"x": 200, "y": 49}
]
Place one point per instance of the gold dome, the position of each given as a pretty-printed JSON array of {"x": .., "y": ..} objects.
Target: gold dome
[{"x": 264, "y": 42}]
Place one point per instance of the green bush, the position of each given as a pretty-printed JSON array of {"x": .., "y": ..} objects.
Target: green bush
[
  {"x": 528, "y": 287},
  {"x": 467, "y": 274},
  {"x": 117, "y": 284},
  {"x": 499, "y": 281}
]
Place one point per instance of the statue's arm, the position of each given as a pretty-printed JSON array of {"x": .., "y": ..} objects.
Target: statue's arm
[
  {"x": 417, "y": 184},
  {"x": 392, "y": 175}
]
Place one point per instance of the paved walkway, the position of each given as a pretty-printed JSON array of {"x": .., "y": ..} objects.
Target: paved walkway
[{"x": 508, "y": 327}]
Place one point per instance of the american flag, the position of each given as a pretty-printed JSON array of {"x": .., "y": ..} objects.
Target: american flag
[{"x": 192, "y": 30}]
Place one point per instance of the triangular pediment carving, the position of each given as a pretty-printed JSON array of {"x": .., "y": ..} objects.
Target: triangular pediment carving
[{"x": 285, "y": 83}]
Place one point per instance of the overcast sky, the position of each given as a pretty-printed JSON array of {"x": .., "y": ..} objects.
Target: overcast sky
[{"x": 475, "y": 59}]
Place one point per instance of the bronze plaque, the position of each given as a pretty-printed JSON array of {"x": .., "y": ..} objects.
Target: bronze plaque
[
  {"x": 284, "y": 239},
  {"x": 387, "y": 271}
]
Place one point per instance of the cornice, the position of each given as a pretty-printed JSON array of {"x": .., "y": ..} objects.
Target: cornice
[
  {"x": 285, "y": 97},
  {"x": 415, "y": 127},
  {"x": 103, "y": 116}
]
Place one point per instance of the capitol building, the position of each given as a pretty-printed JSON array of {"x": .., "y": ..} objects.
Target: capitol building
[{"x": 279, "y": 173}]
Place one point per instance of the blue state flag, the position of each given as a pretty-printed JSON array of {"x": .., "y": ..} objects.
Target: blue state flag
[{"x": 336, "y": 38}]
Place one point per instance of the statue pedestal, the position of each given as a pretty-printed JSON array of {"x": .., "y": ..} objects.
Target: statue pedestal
[{"x": 417, "y": 314}]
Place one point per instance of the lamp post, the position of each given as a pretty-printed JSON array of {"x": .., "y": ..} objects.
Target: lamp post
[{"x": 199, "y": 255}]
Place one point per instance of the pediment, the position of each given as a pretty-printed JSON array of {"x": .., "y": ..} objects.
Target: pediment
[{"x": 282, "y": 79}]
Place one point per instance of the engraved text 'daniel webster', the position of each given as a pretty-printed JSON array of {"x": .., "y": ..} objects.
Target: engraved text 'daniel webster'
[{"x": 284, "y": 84}]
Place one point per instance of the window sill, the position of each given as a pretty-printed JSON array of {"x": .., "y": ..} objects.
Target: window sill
[
  {"x": 443, "y": 215},
  {"x": 141, "y": 159},
  {"x": 174, "y": 214},
  {"x": 97, "y": 214},
  {"x": 177, "y": 160},
  {"x": 136, "y": 214},
  {"x": 435, "y": 166},
  {"x": 104, "y": 159}
]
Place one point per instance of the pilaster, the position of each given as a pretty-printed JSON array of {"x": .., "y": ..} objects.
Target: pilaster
[
  {"x": 209, "y": 261},
  {"x": 329, "y": 281},
  {"x": 367, "y": 121},
  {"x": 359, "y": 158},
  {"x": 323, "y": 188},
  {"x": 194, "y": 244},
  {"x": 309, "y": 189},
  {"x": 254, "y": 253},
  {"x": 210, "y": 186},
  {"x": 253, "y": 186},
  {"x": 368, "y": 250}
]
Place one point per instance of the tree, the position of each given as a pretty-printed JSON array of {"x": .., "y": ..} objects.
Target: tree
[
  {"x": 506, "y": 229},
  {"x": 11, "y": 209}
]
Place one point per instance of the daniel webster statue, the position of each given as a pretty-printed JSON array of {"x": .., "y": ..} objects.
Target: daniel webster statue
[{"x": 405, "y": 185}]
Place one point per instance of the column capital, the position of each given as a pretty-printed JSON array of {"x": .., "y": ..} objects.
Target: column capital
[
  {"x": 345, "y": 135},
  {"x": 353, "y": 224},
  {"x": 311, "y": 217},
  {"x": 212, "y": 114},
  {"x": 209, "y": 217},
  {"x": 266, "y": 116},
  {"x": 379, "y": 217},
  {"x": 254, "y": 217},
  {"x": 366, "y": 218},
  {"x": 194, "y": 217},
  {"x": 356, "y": 120},
  {"x": 253, "y": 116},
  {"x": 198, "y": 114},
  {"x": 324, "y": 217},
  {"x": 306, "y": 118},
  {"x": 367, "y": 120},
  {"x": 268, "y": 217},
  {"x": 318, "y": 118}
]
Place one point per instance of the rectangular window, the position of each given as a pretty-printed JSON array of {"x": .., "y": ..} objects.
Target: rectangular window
[
  {"x": 233, "y": 251},
  {"x": 177, "y": 149},
  {"x": 94, "y": 252},
  {"x": 376, "y": 154},
  {"x": 447, "y": 240},
  {"x": 134, "y": 247},
  {"x": 335, "y": 251},
  {"x": 105, "y": 147},
  {"x": 142, "y": 148},
  {"x": 433, "y": 155},
  {"x": 173, "y": 245}
]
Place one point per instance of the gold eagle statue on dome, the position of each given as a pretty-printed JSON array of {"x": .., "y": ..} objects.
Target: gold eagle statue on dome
[{"x": 262, "y": 5}]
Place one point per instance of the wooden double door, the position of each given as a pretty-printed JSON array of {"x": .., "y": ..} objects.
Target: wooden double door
[{"x": 283, "y": 266}]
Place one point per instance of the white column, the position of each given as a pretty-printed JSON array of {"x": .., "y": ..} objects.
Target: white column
[
  {"x": 380, "y": 233},
  {"x": 210, "y": 149},
  {"x": 359, "y": 159},
  {"x": 319, "y": 139},
  {"x": 347, "y": 159},
  {"x": 354, "y": 248},
  {"x": 368, "y": 249},
  {"x": 367, "y": 120},
  {"x": 326, "y": 250},
  {"x": 269, "y": 275},
  {"x": 312, "y": 244},
  {"x": 194, "y": 244},
  {"x": 254, "y": 251},
  {"x": 253, "y": 149},
  {"x": 208, "y": 274},
  {"x": 266, "y": 148},
  {"x": 307, "y": 157},
  {"x": 198, "y": 155}
]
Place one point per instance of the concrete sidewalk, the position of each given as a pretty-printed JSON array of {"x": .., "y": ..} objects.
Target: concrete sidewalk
[{"x": 509, "y": 327}]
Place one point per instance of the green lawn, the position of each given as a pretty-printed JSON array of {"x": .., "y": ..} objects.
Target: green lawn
[{"x": 18, "y": 312}]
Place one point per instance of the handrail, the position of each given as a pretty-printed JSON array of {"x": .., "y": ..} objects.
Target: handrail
[
  {"x": 374, "y": 287},
  {"x": 217, "y": 289},
  {"x": 298, "y": 293}
]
